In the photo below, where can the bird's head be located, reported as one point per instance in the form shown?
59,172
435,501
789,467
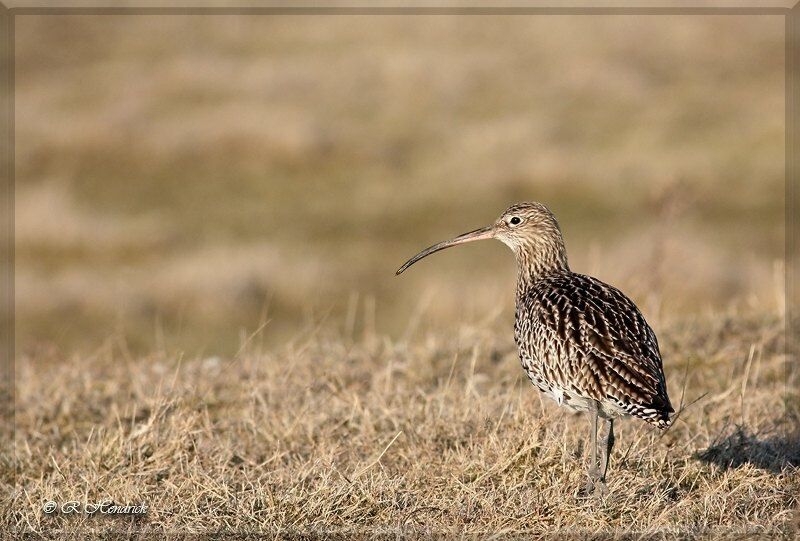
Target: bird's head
529,229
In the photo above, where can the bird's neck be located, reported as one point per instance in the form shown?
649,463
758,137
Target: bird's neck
538,260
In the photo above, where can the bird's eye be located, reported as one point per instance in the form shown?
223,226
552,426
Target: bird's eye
514,221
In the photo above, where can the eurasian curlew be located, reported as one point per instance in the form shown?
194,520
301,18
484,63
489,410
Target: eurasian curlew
581,341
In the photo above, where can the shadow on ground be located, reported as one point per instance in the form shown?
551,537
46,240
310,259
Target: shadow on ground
774,453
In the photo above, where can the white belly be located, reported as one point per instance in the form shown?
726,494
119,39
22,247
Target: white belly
567,398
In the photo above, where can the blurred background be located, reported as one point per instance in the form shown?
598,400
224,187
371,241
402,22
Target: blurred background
183,182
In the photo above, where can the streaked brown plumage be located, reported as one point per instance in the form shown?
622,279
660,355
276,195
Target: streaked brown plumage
581,341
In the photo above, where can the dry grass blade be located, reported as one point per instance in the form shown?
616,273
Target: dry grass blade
378,459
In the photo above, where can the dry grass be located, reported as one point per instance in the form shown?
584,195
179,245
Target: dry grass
437,433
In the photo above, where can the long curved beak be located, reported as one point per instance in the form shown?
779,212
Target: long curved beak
479,234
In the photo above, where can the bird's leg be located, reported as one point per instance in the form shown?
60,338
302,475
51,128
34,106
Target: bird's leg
594,472
605,452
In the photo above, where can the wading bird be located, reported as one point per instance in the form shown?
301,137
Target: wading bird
581,341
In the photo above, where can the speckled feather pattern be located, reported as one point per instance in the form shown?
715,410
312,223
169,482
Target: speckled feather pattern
580,339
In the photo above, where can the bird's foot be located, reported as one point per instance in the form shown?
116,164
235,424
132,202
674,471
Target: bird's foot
600,489
594,488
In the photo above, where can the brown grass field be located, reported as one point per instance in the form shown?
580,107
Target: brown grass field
439,433
209,212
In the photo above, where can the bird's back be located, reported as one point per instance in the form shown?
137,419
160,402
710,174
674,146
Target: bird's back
581,339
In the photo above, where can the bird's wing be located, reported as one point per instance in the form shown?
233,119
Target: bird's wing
612,352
